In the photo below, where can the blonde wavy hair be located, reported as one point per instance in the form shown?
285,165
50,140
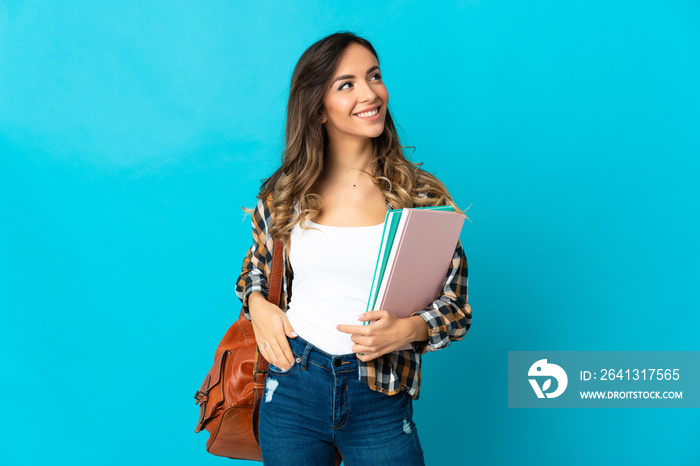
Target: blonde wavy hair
403,183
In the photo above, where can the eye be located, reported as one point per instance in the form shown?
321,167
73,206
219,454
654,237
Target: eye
379,76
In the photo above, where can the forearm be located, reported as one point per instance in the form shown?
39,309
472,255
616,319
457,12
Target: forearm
252,282
253,301
255,296
417,329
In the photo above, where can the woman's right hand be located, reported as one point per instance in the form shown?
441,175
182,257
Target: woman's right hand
271,328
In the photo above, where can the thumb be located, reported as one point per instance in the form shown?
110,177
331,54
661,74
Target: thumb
288,328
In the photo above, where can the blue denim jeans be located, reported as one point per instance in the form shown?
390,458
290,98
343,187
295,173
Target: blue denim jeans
319,403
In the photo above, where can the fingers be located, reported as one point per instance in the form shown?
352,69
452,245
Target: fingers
354,329
266,351
271,326
277,356
276,353
285,353
375,315
366,356
369,348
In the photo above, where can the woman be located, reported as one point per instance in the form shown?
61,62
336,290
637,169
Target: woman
334,382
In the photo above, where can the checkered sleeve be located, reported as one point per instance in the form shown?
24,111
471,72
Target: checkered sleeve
254,272
448,317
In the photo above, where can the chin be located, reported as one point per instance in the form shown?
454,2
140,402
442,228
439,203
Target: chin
373,134
367,133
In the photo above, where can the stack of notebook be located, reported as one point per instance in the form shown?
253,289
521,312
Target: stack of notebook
414,256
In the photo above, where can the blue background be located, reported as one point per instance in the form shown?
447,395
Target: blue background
131,133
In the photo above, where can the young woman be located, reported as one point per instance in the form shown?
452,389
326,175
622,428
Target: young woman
334,382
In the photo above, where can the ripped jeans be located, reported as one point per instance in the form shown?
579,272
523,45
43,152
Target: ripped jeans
319,403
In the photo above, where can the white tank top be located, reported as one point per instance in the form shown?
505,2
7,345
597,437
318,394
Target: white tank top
333,271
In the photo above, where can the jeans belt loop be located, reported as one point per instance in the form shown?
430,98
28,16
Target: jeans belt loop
305,357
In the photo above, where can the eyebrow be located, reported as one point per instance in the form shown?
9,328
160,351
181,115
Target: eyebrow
352,76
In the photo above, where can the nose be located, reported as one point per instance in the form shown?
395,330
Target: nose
369,94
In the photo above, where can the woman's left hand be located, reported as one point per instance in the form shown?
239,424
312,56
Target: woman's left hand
385,334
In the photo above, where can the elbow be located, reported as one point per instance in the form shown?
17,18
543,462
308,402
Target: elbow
460,325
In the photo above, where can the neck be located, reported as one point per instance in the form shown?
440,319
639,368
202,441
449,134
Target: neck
348,159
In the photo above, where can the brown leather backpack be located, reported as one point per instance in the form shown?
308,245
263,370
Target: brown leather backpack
229,398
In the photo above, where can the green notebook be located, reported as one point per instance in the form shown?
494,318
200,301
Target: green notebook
390,225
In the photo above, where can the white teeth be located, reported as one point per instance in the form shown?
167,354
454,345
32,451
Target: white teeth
369,114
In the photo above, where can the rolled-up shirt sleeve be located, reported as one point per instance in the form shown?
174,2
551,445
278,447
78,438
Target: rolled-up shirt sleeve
448,317
253,276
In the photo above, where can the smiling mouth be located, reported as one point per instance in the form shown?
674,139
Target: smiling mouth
370,113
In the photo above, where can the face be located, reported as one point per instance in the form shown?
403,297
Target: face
360,90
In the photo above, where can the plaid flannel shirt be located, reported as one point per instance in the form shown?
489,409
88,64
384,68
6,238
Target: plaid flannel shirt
447,317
